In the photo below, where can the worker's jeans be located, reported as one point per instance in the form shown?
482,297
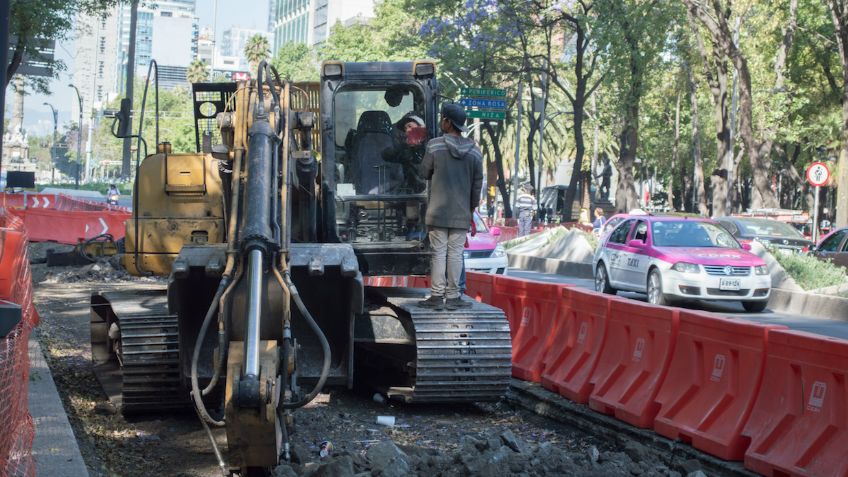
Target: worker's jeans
446,264
525,222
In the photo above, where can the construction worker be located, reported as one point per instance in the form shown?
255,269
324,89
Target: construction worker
525,203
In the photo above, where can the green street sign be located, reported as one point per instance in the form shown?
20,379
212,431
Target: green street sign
484,92
493,115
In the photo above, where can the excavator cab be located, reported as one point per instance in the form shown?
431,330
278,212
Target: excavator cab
372,194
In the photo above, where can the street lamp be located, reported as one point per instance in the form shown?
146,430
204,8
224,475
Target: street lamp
79,135
53,145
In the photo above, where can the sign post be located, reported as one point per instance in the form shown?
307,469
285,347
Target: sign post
484,104
817,175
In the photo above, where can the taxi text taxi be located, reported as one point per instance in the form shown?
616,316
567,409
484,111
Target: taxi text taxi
674,259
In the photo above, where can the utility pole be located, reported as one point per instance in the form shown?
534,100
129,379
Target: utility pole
53,145
4,61
127,152
79,138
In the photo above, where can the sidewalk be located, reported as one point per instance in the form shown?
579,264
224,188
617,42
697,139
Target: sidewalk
55,447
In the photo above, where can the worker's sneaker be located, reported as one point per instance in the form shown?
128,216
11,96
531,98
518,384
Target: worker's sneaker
457,303
434,301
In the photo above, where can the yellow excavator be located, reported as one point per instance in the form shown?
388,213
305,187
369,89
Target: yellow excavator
265,243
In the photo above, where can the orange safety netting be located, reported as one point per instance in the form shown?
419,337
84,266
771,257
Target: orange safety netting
16,423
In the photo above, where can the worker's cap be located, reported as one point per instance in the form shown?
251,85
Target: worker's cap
455,114
411,118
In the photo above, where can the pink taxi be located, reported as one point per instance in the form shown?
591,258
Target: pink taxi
677,259
484,253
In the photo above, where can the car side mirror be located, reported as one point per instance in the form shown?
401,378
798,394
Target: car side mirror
746,246
495,231
636,243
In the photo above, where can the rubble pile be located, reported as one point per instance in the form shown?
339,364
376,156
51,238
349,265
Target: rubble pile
492,455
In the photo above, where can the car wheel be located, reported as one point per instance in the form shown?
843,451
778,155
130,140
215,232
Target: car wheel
655,293
754,306
602,283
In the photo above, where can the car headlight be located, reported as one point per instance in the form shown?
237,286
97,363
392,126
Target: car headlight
465,254
686,267
498,252
761,270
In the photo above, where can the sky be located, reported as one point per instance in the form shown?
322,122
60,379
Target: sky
38,119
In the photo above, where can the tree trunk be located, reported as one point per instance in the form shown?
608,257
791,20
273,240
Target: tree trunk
839,14
675,152
495,137
578,105
626,197
697,159
715,71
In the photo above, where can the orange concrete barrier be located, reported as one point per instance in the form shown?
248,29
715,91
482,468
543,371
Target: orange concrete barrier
633,361
69,226
530,308
577,338
799,424
714,377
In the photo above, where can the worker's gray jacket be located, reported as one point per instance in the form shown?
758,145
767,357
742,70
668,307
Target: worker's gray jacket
454,166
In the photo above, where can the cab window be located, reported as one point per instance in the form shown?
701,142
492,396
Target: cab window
832,242
640,232
619,235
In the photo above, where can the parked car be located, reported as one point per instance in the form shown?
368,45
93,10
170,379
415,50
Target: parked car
780,235
680,259
484,253
833,247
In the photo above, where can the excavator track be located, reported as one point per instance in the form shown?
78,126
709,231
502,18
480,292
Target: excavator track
135,345
460,355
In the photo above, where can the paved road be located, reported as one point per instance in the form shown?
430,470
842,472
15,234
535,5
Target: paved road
838,329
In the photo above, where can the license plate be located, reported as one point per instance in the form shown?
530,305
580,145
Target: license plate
786,251
728,284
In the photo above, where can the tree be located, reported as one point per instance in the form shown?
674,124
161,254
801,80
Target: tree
198,71
584,61
256,49
31,21
839,13
296,62
714,21
632,34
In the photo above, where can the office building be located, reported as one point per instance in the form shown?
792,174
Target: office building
95,64
231,54
310,21
166,31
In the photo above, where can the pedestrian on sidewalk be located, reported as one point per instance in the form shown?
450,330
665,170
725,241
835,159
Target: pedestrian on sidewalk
454,166
599,222
525,203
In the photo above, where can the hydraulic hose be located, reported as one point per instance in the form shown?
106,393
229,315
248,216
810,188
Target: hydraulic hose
204,328
325,345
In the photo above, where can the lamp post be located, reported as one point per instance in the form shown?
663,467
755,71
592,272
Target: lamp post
79,138
53,145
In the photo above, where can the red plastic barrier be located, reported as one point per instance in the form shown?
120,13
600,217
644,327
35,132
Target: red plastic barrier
577,339
531,308
799,424
69,227
715,375
480,286
634,361
16,287
8,201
